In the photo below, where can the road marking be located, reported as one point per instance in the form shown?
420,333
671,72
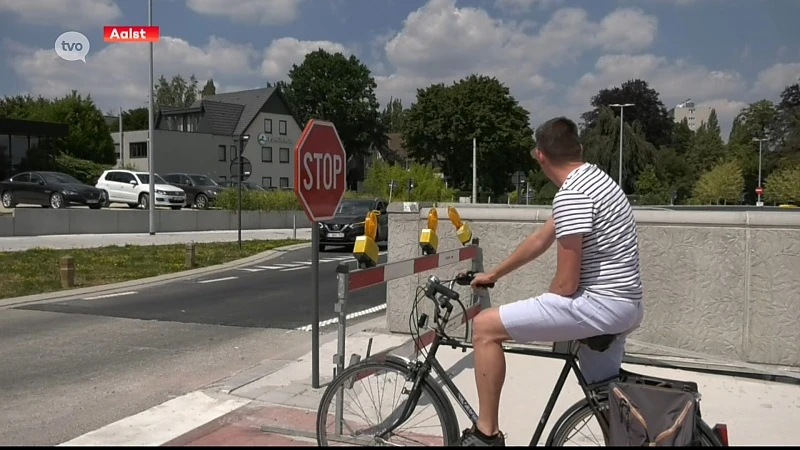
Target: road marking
286,265
116,294
162,423
354,315
308,263
251,270
269,267
294,268
218,279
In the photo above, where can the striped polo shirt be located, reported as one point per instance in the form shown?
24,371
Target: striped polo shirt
590,202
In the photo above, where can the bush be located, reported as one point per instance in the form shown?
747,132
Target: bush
258,200
429,186
85,171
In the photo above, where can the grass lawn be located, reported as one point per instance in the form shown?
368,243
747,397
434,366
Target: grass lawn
36,271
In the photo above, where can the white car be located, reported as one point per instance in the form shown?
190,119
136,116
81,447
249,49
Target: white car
133,188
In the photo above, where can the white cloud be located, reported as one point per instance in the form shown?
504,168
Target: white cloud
777,77
282,53
441,42
263,12
72,13
117,74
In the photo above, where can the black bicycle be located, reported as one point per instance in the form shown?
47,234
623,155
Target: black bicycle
418,385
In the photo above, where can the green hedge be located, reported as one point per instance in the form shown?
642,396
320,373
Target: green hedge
258,200
85,171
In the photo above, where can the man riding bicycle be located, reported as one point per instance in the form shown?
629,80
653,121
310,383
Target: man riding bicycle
597,289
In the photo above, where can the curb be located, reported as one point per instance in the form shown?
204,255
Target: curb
151,281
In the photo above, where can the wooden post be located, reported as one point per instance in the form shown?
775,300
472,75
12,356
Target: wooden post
66,266
190,256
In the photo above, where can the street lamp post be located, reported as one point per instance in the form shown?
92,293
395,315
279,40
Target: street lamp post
760,142
621,107
151,199
242,142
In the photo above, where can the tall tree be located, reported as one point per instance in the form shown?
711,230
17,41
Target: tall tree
707,148
89,137
787,123
393,115
134,119
783,186
722,184
650,190
333,87
209,88
676,173
682,137
648,110
176,92
754,121
601,147
440,126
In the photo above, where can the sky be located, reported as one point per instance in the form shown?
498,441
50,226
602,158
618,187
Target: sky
553,54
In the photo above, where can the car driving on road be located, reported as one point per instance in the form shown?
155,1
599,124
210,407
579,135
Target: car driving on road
348,223
201,191
133,188
49,189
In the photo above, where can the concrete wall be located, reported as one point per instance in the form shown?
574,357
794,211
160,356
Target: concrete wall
718,283
36,222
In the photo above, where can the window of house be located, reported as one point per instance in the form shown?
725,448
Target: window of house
268,126
138,149
266,182
266,154
282,127
222,153
233,152
116,150
284,155
223,178
284,182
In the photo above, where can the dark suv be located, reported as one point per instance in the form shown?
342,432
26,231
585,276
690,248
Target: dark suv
348,223
201,191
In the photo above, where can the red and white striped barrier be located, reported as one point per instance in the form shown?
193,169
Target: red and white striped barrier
364,278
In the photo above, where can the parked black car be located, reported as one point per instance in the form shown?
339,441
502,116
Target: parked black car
246,185
49,189
201,191
349,223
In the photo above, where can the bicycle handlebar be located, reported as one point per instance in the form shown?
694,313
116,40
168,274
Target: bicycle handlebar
435,286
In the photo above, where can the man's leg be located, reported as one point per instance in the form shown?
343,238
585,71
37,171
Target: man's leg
490,367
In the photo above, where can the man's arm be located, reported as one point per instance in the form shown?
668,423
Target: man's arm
531,248
573,215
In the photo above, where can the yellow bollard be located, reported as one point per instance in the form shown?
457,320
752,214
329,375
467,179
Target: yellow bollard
428,239
366,250
462,229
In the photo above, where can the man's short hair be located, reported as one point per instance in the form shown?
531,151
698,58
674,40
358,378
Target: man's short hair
558,139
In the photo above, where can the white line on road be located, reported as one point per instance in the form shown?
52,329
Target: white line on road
218,279
116,294
246,269
293,268
287,265
269,267
160,424
325,323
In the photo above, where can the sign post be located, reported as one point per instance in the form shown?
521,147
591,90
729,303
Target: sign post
319,184
241,169
759,191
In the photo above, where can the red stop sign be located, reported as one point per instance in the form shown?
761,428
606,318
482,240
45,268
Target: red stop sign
319,170
759,190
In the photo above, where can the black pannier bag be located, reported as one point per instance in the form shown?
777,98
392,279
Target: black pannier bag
641,414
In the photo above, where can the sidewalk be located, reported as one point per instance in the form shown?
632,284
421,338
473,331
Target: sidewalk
14,244
756,412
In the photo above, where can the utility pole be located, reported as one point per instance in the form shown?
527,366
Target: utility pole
151,200
474,170
621,107
758,188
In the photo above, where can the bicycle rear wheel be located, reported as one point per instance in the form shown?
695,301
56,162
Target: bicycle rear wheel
580,424
362,414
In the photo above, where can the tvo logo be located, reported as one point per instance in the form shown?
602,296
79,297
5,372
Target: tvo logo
72,46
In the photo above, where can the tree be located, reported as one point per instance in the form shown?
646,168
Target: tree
786,128
88,137
209,88
133,119
754,121
601,147
393,115
176,92
648,110
682,137
332,87
724,183
428,185
440,126
707,149
675,172
783,186
650,190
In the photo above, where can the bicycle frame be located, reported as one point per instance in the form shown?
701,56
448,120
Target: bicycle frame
424,367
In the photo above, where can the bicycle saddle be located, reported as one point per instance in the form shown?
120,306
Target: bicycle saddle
599,343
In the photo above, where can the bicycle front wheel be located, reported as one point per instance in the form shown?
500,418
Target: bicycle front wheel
354,410
580,427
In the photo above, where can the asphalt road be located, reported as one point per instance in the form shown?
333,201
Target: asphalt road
73,366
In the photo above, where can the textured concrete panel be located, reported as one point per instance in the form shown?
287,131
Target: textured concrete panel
774,310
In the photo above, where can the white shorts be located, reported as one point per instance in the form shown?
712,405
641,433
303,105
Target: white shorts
553,318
